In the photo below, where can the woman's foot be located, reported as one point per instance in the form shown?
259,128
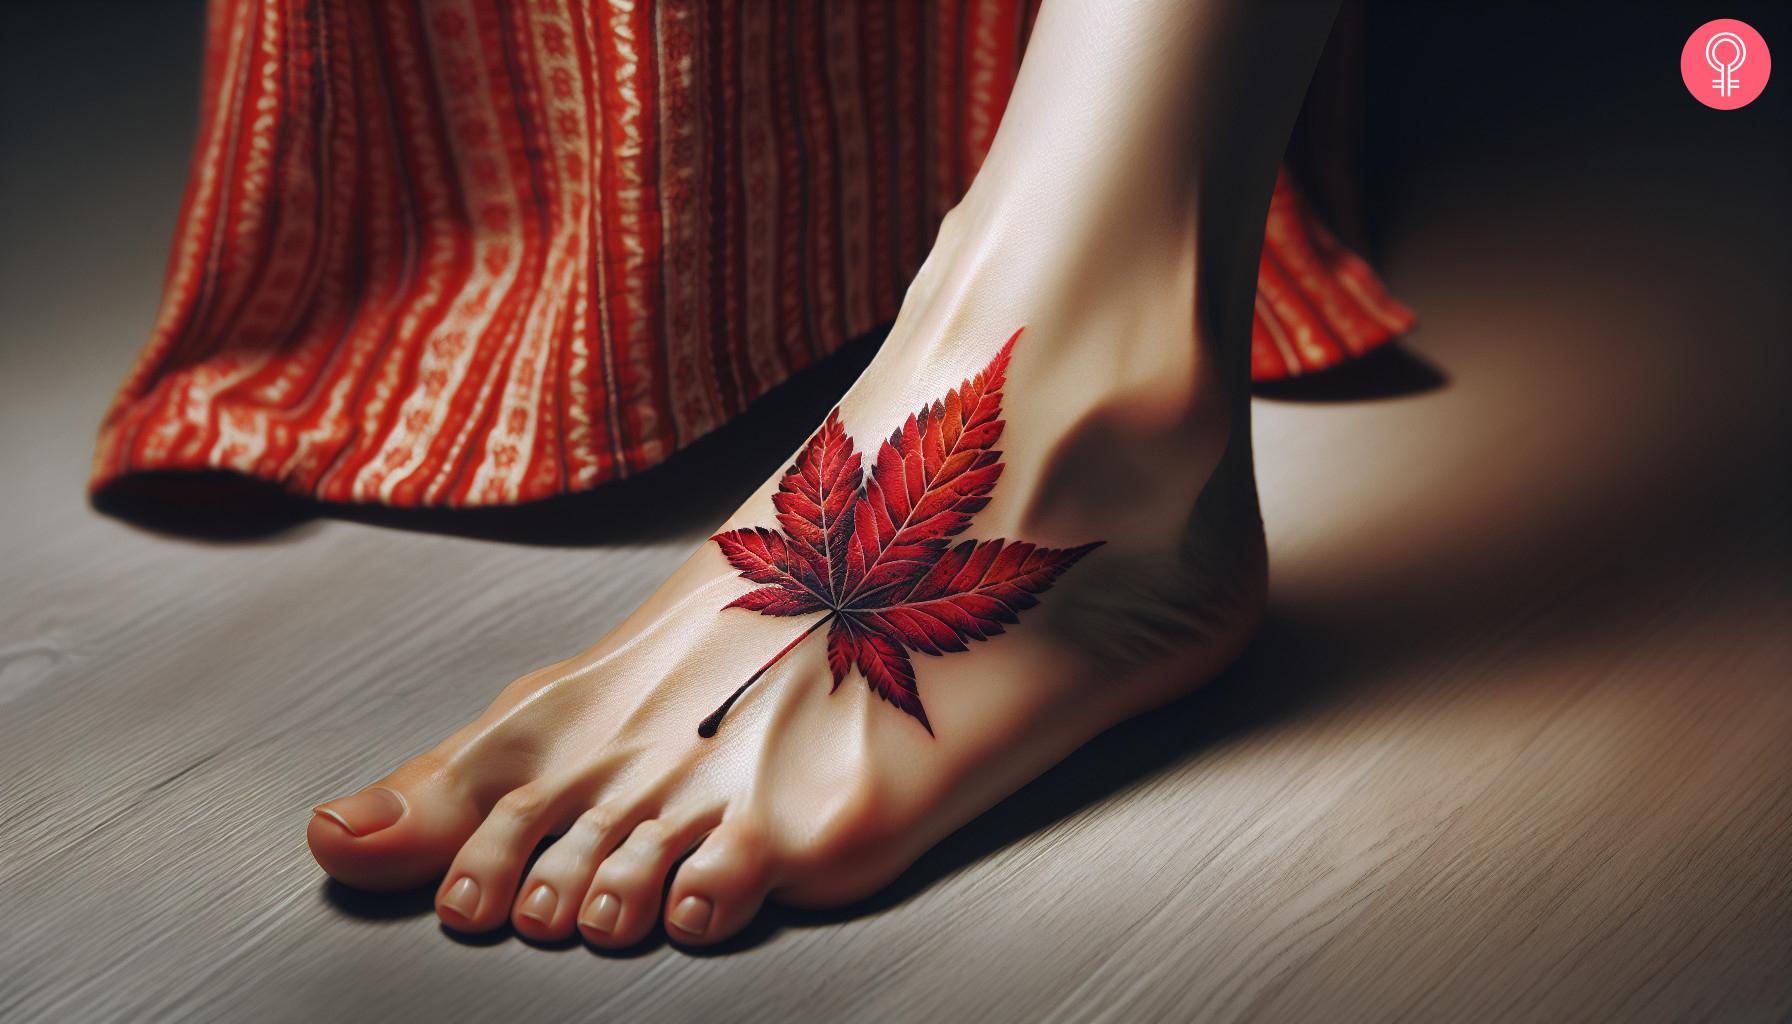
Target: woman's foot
1116,430
1101,226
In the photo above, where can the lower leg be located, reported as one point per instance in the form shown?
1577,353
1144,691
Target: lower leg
1117,218
1142,122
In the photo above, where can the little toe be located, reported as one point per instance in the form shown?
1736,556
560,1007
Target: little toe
397,834
477,892
624,899
720,887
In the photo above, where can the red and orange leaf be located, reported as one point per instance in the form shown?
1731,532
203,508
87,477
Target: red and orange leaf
815,505
930,477
841,651
872,550
775,601
972,592
764,556
886,667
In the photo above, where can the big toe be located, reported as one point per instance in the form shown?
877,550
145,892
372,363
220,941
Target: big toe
399,833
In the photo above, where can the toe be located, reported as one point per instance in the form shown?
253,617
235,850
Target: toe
720,887
624,899
549,899
397,834
477,892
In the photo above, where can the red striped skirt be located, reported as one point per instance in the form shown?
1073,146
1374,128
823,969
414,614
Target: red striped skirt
468,252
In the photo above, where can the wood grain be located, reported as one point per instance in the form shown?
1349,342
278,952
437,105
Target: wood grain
1515,744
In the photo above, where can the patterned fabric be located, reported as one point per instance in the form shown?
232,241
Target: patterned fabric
468,252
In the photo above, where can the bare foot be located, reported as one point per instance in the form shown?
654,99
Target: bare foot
849,755
892,680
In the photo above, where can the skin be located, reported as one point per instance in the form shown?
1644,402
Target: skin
1118,218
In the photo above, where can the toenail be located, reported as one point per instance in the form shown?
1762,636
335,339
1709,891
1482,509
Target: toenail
691,915
539,907
366,812
601,915
463,898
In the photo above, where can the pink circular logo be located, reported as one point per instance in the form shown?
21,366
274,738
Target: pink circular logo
1725,64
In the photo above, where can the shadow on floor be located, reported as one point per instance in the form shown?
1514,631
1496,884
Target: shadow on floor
1391,371
378,906
693,489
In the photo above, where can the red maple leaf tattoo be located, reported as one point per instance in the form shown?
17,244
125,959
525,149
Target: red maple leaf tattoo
872,552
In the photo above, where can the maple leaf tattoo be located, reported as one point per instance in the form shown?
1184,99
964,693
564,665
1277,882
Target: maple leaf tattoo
872,552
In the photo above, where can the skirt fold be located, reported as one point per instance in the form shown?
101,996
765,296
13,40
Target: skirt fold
474,252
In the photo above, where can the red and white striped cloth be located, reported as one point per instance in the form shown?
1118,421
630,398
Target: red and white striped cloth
471,252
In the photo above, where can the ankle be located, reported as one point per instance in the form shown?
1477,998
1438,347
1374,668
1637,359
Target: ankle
1118,350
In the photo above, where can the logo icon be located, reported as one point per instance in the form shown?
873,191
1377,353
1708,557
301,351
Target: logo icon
1725,83
1725,64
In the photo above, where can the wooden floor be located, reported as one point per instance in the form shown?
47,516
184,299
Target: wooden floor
1515,744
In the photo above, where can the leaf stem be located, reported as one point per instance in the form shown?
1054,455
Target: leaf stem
714,721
